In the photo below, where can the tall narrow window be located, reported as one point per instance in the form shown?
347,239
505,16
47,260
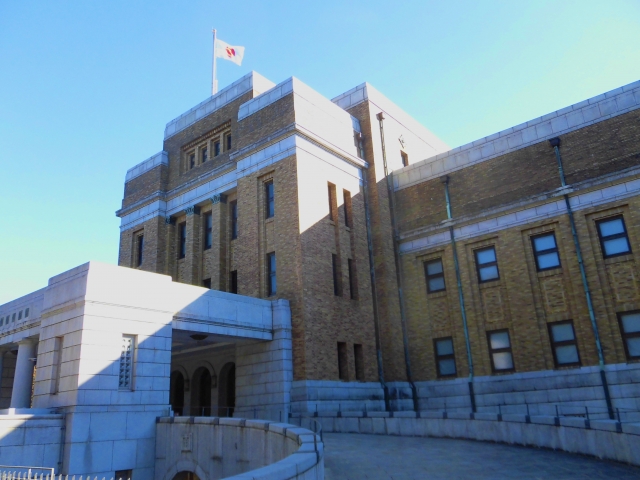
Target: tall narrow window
182,247
216,148
405,159
234,219
630,329
125,475
228,141
271,274
353,284
140,249
334,265
204,154
331,190
192,160
445,358
26,313
206,283
563,344
233,288
347,207
270,203
125,373
208,230
487,264
545,250
359,358
343,371
500,350
435,276
357,141
56,364
613,237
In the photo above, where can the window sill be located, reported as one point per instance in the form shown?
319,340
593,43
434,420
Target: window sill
626,257
269,220
552,272
504,372
490,284
573,366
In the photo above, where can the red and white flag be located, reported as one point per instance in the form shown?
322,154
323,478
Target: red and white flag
229,52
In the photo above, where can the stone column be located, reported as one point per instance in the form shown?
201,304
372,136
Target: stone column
193,258
219,270
23,379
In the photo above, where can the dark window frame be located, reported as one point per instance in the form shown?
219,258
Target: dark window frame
272,282
428,277
233,281
234,219
270,199
625,335
182,239
353,283
334,266
501,350
208,230
603,240
191,160
206,283
445,357
405,158
217,148
480,266
537,253
347,205
227,141
562,343
203,155
139,249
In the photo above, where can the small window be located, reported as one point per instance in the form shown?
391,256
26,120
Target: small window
334,266
125,373
445,358
353,283
343,372
26,313
228,141
405,159
359,358
234,220
192,160
20,315
271,274
545,250
123,475
216,149
203,154
357,141
563,344
613,237
269,199
182,232
206,283
500,351
347,207
435,276
487,265
630,329
140,250
233,288
208,230
333,203
13,317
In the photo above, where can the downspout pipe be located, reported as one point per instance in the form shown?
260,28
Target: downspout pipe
555,144
396,256
463,311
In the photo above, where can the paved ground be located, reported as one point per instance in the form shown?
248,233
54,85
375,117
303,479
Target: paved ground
356,456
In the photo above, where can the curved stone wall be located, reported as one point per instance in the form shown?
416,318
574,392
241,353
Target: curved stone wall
213,447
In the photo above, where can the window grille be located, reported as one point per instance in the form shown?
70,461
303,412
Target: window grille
125,376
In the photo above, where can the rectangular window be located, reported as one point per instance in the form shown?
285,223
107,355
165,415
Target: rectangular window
26,313
359,358
487,264
208,230
445,358
613,237
563,344
125,372
13,317
435,276
334,265
206,283
347,207
123,474
545,250
353,284
234,282
203,154
343,372
228,141
140,250
20,315
216,149
270,203
271,274
500,351
56,364
333,202
234,219
405,159
1,321
182,233
630,329
357,141
192,160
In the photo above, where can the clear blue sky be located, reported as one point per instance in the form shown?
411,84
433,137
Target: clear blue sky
86,88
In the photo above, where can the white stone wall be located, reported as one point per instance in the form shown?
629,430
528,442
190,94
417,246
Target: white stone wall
308,396
31,440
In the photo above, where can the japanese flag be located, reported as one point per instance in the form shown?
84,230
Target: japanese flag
228,52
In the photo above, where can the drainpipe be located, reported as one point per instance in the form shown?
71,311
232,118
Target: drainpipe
372,274
555,144
396,256
463,311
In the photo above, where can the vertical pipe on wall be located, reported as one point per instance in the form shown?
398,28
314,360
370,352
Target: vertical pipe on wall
396,257
463,311
555,144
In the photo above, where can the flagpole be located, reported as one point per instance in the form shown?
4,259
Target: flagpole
214,81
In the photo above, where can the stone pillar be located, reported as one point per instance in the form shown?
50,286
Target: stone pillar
193,257
219,269
23,379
